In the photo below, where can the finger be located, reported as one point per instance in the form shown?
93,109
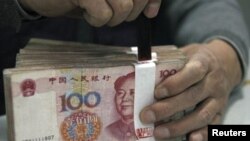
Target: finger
199,135
138,7
121,10
98,12
190,49
152,8
168,107
198,119
202,134
193,72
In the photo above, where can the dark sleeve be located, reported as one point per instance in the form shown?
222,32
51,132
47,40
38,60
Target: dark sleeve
197,21
9,15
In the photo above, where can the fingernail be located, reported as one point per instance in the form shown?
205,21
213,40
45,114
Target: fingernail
152,9
148,116
161,93
197,137
162,132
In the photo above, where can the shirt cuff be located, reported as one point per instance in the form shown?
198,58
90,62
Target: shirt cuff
26,15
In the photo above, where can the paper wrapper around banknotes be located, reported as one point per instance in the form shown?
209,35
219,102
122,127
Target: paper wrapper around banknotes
66,91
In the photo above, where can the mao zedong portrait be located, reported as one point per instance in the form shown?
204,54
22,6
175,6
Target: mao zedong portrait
123,128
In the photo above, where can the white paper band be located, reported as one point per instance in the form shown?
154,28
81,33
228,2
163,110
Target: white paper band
144,96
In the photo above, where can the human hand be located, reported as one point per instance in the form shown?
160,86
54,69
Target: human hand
96,12
205,82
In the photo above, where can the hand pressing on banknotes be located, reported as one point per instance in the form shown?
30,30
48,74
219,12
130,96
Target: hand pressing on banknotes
96,12
205,83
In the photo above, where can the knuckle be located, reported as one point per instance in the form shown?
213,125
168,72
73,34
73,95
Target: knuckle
125,6
193,95
205,116
162,111
174,130
200,67
105,15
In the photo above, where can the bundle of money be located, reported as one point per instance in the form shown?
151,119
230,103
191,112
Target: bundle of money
67,91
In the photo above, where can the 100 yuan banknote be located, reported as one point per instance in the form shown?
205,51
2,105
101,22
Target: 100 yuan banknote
80,104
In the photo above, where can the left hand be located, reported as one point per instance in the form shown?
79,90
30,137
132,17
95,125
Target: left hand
205,82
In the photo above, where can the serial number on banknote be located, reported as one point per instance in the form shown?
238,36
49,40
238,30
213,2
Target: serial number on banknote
45,138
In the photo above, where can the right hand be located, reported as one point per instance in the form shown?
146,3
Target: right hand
96,12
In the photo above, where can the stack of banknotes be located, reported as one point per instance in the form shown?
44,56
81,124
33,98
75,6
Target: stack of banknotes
67,91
